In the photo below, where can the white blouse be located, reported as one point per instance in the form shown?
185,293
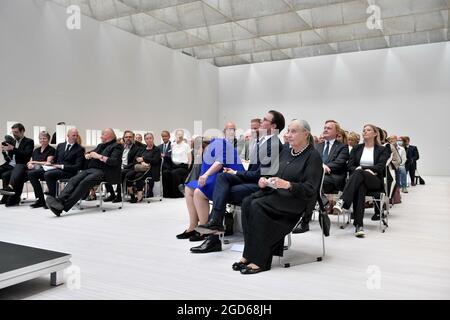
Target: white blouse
367,157
180,152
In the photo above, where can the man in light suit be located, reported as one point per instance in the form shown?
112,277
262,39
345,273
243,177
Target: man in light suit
233,186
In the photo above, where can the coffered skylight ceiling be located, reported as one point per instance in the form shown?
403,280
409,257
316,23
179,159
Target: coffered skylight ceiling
231,32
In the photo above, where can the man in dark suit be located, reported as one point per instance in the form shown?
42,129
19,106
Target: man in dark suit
232,186
104,163
13,172
166,150
130,152
69,159
335,156
412,155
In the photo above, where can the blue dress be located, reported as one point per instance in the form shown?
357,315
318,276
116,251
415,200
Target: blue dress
221,151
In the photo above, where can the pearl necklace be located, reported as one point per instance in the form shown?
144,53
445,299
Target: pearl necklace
296,154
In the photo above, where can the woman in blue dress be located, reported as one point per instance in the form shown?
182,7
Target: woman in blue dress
220,153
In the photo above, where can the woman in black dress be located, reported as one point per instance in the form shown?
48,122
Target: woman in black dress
271,213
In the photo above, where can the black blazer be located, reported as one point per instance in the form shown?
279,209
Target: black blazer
152,157
73,160
380,157
265,165
112,166
168,156
23,152
412,155
134,151
337,161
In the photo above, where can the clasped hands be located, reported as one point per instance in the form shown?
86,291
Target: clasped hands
368,170
277,182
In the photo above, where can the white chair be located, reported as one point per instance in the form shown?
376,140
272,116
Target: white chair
321,211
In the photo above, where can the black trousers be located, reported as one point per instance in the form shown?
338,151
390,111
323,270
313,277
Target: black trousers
412,174
265,227
5,173
35,176
172,178
355,191
229,188
52,176
16,178
135,178
79,185
329,185
110,189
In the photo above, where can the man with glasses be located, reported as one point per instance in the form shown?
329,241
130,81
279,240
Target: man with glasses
233,186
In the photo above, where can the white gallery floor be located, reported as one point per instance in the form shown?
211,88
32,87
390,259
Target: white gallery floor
133,254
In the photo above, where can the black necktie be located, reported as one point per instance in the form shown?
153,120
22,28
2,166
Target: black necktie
325,152
68,147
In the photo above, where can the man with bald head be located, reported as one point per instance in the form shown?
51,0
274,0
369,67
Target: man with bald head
69,159
103,164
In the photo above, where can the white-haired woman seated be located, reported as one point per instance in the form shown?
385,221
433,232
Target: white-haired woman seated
271,213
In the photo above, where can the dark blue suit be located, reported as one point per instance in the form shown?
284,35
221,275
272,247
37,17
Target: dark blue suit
233,189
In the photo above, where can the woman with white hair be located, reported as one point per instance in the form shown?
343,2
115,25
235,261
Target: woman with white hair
271,213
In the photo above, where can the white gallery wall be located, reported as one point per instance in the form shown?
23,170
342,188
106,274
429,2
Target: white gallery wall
404,90
95,77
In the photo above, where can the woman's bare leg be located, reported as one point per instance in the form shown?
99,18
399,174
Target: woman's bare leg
193,216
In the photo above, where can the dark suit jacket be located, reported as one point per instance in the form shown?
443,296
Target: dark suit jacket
380,157
112,166
23,152
265,164
412,155
152,157
337,161
73,160
168,156
134,151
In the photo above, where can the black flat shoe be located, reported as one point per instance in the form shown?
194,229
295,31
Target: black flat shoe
38,204
375,217
117,200
186,235
238,266
198,237
248,270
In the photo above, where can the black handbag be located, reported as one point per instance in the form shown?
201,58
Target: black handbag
325,223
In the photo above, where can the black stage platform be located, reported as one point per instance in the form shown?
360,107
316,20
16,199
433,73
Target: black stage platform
20,263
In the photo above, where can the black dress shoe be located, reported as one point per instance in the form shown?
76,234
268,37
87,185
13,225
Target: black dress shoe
11,204
211,227
210,245
109,199
54,205
38,204
198,237
375,217
117,200
302,228
186,235
248,270
238,266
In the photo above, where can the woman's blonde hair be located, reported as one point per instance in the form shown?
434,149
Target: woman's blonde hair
375,129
